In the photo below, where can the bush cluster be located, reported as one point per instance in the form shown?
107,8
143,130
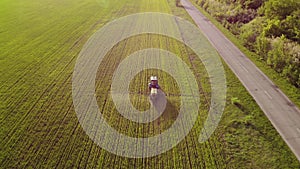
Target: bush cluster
270,28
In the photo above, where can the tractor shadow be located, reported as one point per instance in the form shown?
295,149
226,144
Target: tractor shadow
171,112
169,115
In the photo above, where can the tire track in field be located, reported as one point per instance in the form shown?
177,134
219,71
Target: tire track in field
207,103
33,68
18,48
106,97
27,94
24,97
73,140
90,141
187,152
185,159
212,145
50,86
57,63
76,136
54,80
34,128
99,84
91,146
103,107
120,123
52,121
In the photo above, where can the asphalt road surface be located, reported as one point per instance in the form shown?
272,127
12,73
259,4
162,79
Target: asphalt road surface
283,114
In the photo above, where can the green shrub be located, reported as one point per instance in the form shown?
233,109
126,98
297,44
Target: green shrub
277,56
270,28
250,31
262,47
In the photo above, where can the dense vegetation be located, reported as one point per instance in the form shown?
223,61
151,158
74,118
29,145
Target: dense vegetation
270,28
39,44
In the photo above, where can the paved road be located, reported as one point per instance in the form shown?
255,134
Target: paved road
283,114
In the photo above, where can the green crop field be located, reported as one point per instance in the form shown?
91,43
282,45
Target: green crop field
39,44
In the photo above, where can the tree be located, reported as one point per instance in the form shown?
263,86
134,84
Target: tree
282,19
276,56
280,9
